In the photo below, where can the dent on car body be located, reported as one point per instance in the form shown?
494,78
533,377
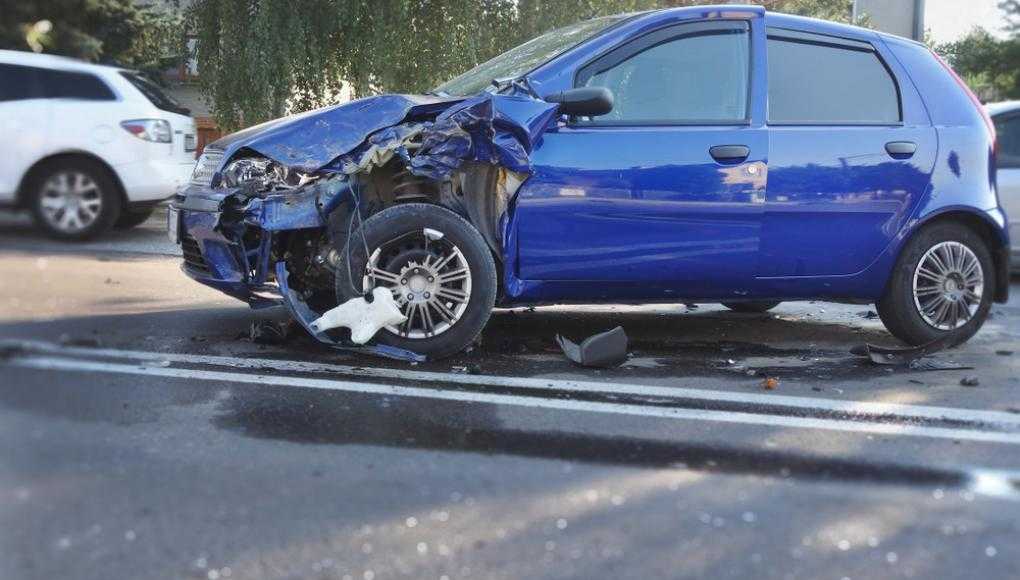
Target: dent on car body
473,152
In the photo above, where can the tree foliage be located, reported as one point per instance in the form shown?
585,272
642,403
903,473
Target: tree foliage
114,31
259,59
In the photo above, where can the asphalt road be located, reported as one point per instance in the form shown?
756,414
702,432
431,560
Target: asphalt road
145,436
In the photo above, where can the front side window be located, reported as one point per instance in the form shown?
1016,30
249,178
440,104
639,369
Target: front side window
1008,131
695,73
827,84
62,84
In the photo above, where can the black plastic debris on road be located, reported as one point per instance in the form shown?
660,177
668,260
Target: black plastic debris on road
606,349
916,357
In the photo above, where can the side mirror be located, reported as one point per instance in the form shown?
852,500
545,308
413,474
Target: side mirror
583,101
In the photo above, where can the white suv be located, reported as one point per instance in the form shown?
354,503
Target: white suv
1006,117
88,147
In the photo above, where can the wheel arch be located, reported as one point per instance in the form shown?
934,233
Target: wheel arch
22,197
984,226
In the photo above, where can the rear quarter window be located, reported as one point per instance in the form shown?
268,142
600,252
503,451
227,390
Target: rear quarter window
820,82
947,103
61,84
1008,130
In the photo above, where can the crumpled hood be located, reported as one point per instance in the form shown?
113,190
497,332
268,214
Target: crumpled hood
310,140
491,128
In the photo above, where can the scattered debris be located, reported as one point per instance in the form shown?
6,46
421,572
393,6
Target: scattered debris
868,314
1004,352
269,332
364,318
892,356
471,369
970,381
606,349
770,383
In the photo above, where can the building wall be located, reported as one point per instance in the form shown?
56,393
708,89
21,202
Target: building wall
901,17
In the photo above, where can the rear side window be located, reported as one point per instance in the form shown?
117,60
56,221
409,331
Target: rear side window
1008,131
693,73
62,84
154,93
821,83
17,83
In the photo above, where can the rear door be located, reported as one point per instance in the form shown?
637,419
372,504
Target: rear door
851,154
1007,127
25,120
664,194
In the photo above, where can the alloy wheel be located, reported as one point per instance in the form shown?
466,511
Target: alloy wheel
430,279
948,285
70,201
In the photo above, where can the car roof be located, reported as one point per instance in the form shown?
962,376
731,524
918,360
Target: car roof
1002,107
783,20
54,61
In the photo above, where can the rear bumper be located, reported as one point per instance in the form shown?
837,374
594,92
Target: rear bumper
153,179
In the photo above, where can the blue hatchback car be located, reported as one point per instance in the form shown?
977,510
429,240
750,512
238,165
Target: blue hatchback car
704,154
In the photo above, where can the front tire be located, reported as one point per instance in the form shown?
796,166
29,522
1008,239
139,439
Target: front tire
941,287
73,199
439,268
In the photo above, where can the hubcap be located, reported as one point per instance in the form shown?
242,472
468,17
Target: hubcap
948,285
430,280
70,201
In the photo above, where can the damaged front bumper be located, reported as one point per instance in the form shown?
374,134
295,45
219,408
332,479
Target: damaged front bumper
226,234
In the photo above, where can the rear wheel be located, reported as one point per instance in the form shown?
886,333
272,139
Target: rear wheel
74,199
438,267
758,306
941,287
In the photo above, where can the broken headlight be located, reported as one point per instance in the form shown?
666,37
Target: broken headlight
259,173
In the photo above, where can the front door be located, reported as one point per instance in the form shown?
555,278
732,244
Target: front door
663,195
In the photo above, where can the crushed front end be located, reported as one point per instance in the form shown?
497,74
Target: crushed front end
269,215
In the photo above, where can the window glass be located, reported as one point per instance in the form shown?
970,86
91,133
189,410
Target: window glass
818,83
699,74
155,94
1008,131
62,84
17,82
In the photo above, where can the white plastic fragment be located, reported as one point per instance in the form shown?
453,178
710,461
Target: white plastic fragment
364,318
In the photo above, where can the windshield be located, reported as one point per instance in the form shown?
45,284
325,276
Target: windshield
155,94
517,61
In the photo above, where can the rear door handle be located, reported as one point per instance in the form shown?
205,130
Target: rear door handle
730,153
901,149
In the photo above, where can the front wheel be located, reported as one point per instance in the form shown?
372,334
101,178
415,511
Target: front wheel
941,287
440,270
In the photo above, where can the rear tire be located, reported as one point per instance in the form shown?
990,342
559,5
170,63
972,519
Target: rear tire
942,286
756,307
73,199
406,259
129,219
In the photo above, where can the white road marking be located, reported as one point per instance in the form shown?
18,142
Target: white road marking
902,412
892,429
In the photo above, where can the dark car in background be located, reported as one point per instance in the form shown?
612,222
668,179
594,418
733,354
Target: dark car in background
703,154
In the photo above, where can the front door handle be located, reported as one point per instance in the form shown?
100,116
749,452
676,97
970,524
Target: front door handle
901,149
730,153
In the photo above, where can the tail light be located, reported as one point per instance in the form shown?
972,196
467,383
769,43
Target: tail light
155,130
973,98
